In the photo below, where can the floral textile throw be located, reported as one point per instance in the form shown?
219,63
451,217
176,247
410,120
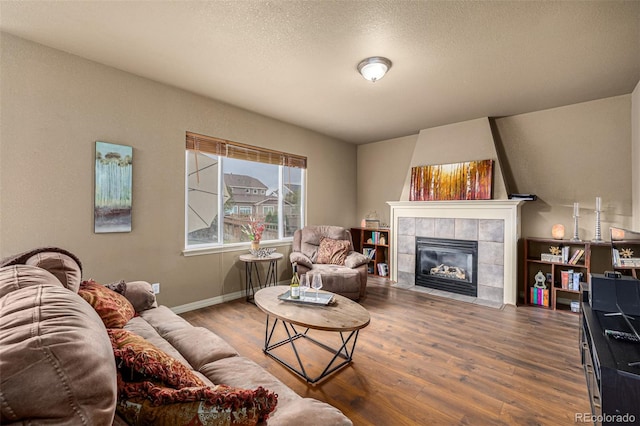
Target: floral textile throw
154,385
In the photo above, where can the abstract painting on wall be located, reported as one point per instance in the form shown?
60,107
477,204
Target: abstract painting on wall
471,180
113,181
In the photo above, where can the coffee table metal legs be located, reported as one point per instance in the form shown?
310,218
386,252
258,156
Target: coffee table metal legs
341,356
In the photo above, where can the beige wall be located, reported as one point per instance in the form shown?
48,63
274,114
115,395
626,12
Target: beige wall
382,169
635,155
460,142
54,106
572,154
567,154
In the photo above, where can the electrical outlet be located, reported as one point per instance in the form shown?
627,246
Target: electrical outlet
156,288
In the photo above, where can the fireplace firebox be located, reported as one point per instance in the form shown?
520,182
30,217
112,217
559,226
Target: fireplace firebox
449,265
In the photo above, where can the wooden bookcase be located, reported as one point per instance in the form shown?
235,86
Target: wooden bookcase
596,259
376,241
634,268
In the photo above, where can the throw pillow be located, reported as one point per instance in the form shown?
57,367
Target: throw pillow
114,309
332,252
229,408
168,392
143,359
139,293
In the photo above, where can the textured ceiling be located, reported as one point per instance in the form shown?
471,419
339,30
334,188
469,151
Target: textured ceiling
296,60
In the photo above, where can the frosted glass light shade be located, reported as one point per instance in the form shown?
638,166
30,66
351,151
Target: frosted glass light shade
374,68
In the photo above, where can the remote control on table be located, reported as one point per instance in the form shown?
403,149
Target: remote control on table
621,335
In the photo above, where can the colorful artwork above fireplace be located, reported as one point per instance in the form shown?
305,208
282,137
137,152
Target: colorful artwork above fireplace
471,180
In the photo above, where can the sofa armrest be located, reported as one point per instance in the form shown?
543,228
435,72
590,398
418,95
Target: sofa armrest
355,259
300,259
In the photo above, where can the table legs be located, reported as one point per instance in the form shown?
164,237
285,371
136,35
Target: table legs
252,277
341,356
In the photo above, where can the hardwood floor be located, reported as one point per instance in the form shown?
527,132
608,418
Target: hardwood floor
429,360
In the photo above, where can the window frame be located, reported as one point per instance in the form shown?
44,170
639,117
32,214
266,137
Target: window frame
285,160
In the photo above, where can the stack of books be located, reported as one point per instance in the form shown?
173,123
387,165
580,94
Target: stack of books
383,269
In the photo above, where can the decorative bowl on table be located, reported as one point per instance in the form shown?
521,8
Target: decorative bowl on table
262,252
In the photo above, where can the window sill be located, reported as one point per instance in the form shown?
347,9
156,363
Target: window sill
243,247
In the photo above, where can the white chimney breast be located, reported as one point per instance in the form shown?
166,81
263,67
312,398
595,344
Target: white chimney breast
457,143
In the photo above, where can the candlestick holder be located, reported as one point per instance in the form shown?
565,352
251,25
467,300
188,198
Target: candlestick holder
575,228
598,236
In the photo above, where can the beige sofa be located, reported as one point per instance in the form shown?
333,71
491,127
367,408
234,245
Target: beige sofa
57,362
343,270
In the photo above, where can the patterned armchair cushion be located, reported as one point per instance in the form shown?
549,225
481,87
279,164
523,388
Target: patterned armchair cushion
332,252
311,236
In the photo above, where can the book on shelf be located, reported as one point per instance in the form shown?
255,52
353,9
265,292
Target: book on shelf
539,296
383,269
627,262
369,252
575,258
570,280
575,284
566,279
630,262
565,254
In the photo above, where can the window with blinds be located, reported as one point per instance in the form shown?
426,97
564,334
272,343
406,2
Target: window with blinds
240,183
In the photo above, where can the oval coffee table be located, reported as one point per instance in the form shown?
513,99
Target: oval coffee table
343,316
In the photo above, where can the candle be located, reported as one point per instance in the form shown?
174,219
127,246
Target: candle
598,203
576,207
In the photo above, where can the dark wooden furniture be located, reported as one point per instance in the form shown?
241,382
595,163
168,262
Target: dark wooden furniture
596,258
376,240
613,377
633,269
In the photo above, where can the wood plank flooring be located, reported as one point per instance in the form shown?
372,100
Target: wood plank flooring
426,360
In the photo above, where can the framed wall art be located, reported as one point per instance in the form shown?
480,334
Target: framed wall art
471,180
113,184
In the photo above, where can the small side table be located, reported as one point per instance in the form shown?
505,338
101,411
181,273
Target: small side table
252,272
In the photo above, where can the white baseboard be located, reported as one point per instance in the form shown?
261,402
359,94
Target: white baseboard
213,301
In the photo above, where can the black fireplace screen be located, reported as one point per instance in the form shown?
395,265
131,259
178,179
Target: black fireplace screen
445,264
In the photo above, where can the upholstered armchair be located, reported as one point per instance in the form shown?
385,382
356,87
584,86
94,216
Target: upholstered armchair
328,250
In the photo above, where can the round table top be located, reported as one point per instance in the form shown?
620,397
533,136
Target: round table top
251,258
342,315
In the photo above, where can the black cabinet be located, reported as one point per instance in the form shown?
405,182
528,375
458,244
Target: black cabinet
613,380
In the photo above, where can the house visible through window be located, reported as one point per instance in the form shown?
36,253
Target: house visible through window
236,182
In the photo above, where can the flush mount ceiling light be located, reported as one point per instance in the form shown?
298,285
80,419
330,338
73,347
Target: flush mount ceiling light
374,68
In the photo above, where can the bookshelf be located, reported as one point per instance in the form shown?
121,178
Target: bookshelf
563,272
374,243
626,257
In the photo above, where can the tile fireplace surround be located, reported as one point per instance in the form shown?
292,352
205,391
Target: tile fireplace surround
494,224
